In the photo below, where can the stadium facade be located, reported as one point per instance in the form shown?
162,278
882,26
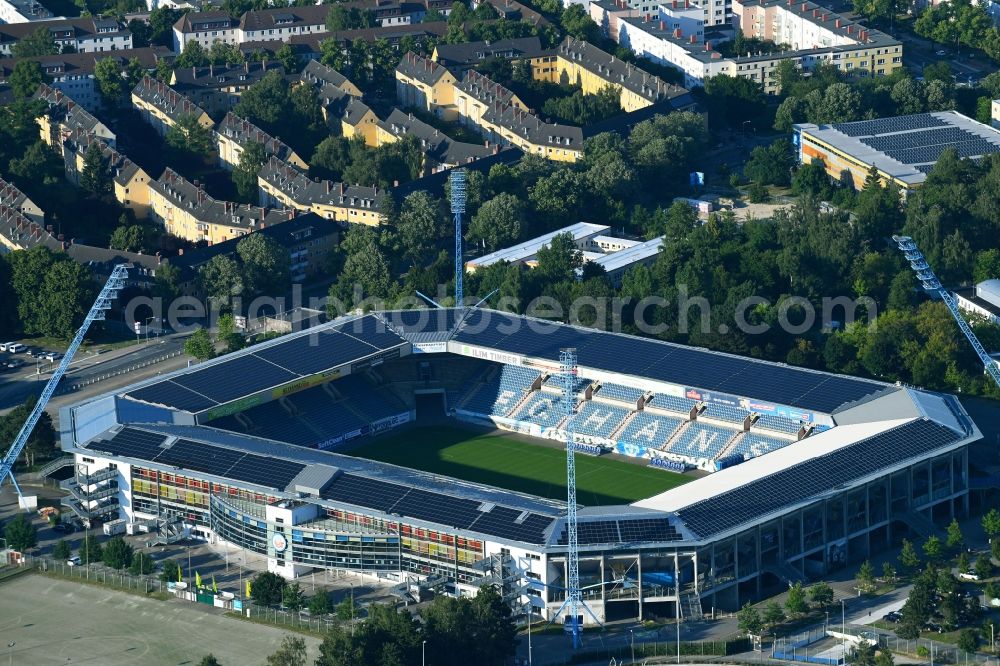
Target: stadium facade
799,472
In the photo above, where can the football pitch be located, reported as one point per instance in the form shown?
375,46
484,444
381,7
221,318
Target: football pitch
505,460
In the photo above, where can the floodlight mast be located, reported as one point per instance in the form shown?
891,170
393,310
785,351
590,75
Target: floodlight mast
568,370
115,283
457,182
932,285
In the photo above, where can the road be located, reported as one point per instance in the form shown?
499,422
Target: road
15,387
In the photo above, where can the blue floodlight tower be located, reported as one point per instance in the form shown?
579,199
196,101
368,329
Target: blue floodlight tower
457,180
568,371
110,291
933,286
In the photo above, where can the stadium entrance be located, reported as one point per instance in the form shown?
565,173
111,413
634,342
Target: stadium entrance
430,406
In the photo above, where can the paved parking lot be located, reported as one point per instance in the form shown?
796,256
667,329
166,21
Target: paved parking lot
56,621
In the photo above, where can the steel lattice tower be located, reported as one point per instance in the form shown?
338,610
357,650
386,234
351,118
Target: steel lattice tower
457,181
567,370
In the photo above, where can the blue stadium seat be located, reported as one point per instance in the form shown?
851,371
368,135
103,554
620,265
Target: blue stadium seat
727,413
544,409
598,419
649,430
754,444
702,440
327,417
669,402
555,381
778,424
619,392
499,395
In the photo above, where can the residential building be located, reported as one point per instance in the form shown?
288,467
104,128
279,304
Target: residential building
187,211
322,77
283,185
129,182
16,200
65,118
281,24
995,113
86,34
162,107
459,57
73,73
440,151
904,149
308,238
512,10
217,88
234,133
424,84
348,116
578,63
15,12
811,35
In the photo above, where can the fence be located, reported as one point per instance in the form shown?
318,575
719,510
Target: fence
651,649
145,584
289,619
938,653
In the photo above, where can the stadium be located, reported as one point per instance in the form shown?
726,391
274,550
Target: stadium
425,447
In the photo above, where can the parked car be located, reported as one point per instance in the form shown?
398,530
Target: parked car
51,357
968,575
74,561
941,52
893,616
15,347
933,626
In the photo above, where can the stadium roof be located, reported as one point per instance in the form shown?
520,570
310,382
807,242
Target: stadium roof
384,488
680,365
801,473
267,366
907,147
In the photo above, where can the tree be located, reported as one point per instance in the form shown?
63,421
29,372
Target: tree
319,603
20,533
245,173
796,601
38,42
991,519
822,594
62,550
386,637
933,548
193,55
221,278
26,78
42,442
170,571
110,81
866,577
128,238
90,550
117,553
54,292
95,177
292,597
288,59
884,658
345,609
420,225
773,615
770,165
267,266
888,572
141,564
984,567
908,556
750,621
862,654
189,137
498,221
955,539
291,653
266,588
209,660
968,640
199,345
812,179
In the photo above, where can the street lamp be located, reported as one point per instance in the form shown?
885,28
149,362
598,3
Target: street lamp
423,653
632,635
10,652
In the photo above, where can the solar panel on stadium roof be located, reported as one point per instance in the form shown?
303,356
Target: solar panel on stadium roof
814,477
316,352
171,394
199,457
271,472
235,378
362,491
132,443
433,507
423,320
647,529
372,331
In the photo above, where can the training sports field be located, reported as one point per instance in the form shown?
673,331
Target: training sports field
516,463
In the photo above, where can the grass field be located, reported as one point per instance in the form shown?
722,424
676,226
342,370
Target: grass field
515,463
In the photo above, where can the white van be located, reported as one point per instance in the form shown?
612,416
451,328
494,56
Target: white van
15,347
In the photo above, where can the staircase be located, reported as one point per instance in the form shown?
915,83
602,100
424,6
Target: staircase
691,605
56,465
919,524
785,572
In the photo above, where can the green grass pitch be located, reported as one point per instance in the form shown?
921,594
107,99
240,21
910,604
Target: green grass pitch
509,461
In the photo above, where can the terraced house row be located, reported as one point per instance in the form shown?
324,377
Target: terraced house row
477,101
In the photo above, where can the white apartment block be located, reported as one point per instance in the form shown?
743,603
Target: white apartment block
84,35
23,11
